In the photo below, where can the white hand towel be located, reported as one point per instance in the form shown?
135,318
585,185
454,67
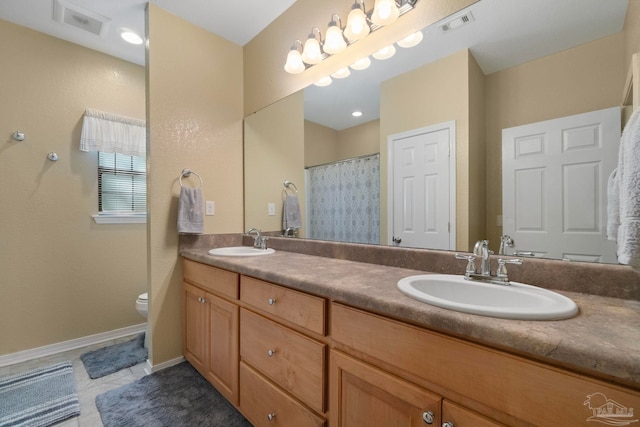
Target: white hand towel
613,206
629,187
190,211
291,217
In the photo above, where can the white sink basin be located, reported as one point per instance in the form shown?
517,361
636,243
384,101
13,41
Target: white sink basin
240,251
516,301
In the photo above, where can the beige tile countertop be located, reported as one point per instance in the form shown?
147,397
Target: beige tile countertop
602,340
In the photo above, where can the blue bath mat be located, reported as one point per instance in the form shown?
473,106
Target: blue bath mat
39,398
110,359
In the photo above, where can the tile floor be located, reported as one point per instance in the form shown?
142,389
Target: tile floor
87,388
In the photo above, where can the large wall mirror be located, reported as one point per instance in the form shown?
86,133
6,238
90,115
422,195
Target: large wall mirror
496,65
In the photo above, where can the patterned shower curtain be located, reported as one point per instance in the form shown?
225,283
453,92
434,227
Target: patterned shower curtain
344,200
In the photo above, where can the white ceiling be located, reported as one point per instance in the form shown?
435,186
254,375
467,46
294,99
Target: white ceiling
505,33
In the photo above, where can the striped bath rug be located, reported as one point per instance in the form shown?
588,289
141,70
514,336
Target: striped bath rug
39,398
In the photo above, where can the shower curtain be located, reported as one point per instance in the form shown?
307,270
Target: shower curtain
344,200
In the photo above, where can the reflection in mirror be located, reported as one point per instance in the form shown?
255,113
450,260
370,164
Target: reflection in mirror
497,71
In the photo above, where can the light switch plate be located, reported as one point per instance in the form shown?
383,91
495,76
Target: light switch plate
210,207
271,208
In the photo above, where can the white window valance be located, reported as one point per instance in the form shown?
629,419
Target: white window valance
112,133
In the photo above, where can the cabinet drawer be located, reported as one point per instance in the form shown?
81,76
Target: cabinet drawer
212,279
537,393
266,405
304,310
294,362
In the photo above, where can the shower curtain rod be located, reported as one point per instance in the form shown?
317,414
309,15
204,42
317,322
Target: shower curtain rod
364,157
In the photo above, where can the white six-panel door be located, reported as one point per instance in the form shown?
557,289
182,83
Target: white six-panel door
422,190
554,184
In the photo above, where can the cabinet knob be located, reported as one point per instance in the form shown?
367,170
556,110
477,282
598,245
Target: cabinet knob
271,353
427,417
271,301
271,416
447,424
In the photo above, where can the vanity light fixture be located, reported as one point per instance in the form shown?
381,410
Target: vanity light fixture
359,24
312,52
294,63
411,40
334,40
385,53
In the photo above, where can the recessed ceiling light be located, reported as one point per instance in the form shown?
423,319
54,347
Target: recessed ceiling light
357,114
131,37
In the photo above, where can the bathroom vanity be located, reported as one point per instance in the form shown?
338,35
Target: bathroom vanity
299,340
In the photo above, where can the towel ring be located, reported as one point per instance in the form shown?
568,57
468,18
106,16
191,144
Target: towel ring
187,173
287,184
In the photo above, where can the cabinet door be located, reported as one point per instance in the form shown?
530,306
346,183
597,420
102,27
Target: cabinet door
195,327
459,416
362,395
223,330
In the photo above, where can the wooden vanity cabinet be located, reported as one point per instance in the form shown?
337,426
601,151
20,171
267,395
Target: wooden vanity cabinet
211,325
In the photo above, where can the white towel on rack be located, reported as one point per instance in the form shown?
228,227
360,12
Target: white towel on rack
628,179
190,211
291,217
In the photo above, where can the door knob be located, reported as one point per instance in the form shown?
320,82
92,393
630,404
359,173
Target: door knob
397,240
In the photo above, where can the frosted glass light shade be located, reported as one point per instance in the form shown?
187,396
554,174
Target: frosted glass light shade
341,73
361,64
294,64
311,54
325,81
385,52
357,27
411,40
334,41
385,12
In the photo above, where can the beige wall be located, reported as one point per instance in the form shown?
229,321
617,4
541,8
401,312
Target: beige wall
359,140
194,110
265,81
63,276
320,144
325,145
631,32
274,152
586,78
433,94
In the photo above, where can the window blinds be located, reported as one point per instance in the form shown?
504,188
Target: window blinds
121,183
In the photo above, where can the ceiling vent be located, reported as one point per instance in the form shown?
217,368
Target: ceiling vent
457,22
79,17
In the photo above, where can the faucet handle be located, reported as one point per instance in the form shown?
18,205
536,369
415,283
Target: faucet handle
502,266
471,265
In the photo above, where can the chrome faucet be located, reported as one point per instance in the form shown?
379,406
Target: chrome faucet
505,242
289,232
481,249
259,241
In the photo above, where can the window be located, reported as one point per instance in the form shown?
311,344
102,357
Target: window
122,185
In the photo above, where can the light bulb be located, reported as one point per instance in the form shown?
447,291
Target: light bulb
385,12
361,64
411,40
385,53
334,41
357,27
294,63
131,37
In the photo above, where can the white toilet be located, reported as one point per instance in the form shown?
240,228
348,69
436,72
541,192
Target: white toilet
142,304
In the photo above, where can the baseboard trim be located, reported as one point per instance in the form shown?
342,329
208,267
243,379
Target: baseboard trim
150,369
48,350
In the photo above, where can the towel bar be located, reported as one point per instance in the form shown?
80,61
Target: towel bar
187,173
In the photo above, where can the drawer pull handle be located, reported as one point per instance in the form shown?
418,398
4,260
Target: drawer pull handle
271,353
271,416
271,301
427,417
447,424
